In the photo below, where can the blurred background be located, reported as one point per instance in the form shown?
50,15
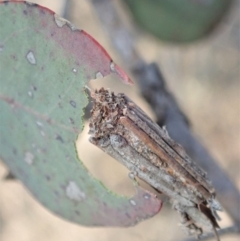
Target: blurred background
203,75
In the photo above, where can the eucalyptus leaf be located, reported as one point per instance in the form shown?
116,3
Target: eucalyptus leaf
178,21
45,62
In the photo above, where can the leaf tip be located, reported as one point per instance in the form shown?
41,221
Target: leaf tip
119,71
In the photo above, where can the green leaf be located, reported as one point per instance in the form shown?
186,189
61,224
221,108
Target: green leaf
178,21
45,62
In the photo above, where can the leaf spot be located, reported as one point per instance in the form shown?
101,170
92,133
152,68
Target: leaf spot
1,48
59,138
71,120
77,212
146,196
39,123
132,202
73,104
14,151
112,67
28,158
73,192
99,75
31,58
30,94
42,133
48,177
34,87
74,70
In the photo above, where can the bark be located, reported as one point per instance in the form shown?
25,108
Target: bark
121,129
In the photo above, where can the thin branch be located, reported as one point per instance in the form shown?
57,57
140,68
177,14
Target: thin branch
67,9
165,107
118,34
221,232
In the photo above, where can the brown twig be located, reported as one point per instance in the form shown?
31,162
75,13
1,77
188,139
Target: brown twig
121,129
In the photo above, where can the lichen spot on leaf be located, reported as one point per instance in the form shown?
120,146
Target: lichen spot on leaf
73,192
31,58
28,158
133,202
99,75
